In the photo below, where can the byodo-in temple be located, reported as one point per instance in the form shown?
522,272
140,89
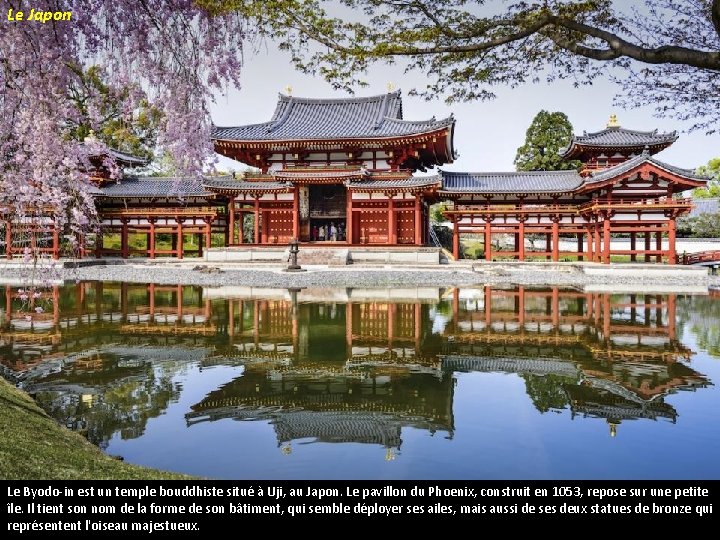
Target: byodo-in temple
350,365
350,173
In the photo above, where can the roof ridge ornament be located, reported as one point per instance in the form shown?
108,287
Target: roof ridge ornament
646,151
613,122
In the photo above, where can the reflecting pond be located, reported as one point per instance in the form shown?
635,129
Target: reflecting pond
236,382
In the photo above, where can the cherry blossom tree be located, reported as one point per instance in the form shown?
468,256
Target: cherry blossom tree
171,54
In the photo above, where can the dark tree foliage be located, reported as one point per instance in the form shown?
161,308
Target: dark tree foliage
547,135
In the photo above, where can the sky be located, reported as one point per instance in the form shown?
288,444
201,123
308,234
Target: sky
487,134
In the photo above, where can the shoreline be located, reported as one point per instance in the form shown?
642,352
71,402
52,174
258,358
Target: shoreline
201,273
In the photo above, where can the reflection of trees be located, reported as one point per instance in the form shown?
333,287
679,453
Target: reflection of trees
109,401
701,316
547,392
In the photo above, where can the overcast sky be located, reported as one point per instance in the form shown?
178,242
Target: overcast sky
487,134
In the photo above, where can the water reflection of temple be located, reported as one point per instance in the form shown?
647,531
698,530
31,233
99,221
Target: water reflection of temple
341,365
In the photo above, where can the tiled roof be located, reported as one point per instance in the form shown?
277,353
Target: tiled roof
618,137
511,182
612,172
231,184
154,187
289,174
396,183
127,159
348,118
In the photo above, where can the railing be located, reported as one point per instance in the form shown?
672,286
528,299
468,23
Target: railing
615,204
701,257
434,240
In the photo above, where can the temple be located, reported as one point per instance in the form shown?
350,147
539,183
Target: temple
349,173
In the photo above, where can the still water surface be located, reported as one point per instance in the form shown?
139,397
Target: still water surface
233,382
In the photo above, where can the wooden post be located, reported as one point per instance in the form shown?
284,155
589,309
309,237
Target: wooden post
658,246
56,242
231,318
580,246
418,222
555,307
124,240
179,245
201,241
349,218
555,241
590,247
456,238
179,309
598,246
606,240
151,246
633,255
548,245
647,246
296,213
392,221
231,222
208,233
256,236
488,307
488,241
521,241
151,302
521,307
672,255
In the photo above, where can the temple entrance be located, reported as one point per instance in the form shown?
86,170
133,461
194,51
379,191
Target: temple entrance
327,214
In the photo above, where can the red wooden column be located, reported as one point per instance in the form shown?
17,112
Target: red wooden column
555,241
349,218
658,246
633,255
598,246
179,308
256,234
590,247
672,254
419,225
488,240
456,237
231,222
151,301
647,246
555,307
606,240
521,307
56,242
208,234
520,247
296,213
392,221
581,246
151,239
548,245
231,318
179,243
124,240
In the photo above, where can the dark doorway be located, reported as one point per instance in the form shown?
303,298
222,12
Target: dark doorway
328,207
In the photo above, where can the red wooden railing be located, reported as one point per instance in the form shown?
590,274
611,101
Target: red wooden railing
700,257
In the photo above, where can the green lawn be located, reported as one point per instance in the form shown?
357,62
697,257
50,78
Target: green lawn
34,446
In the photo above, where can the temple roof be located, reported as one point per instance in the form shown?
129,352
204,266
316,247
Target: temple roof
616,137
411,182
645,157
320,119
138,186
705,206
511,182
230,184
128,160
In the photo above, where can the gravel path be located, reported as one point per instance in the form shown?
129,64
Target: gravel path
210,275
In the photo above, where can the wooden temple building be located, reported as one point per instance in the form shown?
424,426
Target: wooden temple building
349,172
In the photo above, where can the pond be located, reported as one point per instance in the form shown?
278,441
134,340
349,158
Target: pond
419,383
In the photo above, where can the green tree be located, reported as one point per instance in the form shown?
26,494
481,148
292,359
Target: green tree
129,130
666,52
712,169
547,135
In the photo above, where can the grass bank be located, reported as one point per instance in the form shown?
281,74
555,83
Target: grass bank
34,446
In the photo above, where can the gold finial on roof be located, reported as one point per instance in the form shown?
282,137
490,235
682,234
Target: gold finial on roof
613,428
613,122
288,90
390,87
